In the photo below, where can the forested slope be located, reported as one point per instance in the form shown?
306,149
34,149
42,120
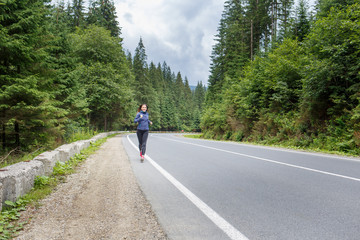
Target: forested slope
63,69
283,74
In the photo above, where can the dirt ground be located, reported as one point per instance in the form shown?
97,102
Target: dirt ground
102,200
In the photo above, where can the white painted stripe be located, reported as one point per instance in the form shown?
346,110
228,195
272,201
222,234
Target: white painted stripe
280,149
232,232
268,160
317,154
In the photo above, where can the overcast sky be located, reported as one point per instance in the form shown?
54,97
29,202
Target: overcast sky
180,32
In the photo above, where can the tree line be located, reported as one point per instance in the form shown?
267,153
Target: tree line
63,68
283,74
173,105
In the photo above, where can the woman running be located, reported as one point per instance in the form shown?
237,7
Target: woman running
142,118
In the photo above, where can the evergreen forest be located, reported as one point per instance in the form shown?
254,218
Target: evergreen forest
63,70
281,73
285,73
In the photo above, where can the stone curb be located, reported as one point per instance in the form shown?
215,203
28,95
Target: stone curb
18,179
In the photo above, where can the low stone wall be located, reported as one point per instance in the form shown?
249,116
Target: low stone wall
18,179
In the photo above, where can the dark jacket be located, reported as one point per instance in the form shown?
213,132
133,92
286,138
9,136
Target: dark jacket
143,122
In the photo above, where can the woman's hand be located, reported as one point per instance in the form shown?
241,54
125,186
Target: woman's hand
150,122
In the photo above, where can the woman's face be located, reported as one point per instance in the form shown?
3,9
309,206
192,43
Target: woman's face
143,108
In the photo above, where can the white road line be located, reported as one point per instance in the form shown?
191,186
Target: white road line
317,154
232,232
268,160
274,148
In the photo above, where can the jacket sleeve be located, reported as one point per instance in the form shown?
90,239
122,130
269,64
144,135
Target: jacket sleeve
137,118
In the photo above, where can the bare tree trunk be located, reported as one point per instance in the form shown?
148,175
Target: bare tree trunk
266,41
3,136
105,123
285,18
17,134
252,40
274,12
275,18
272,20
258,26
57,15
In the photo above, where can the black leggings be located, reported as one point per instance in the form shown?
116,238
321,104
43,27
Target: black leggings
142,137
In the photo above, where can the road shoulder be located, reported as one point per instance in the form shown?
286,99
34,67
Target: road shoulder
102,200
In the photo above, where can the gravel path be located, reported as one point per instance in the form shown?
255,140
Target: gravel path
102,200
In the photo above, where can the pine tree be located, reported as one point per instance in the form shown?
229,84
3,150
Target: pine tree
103,13
189,106
129,59
285,11
258,21
140,72
302,21
199,95
26,96
144,92
68,89
78,13
232,49
323,6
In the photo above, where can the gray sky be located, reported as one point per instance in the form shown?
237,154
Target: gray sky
180,32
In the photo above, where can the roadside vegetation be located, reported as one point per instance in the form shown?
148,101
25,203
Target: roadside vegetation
63,70
10,215
278,144
17,155
286,75
281,73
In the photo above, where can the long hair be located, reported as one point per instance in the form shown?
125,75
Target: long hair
139,109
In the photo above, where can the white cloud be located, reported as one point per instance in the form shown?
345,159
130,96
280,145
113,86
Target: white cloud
178,32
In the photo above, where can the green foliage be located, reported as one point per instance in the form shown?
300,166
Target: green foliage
95,44
103,14
301,27
105,77
213,121
11,213
196,136
43,186
333,76
27,102
171,103
66,168
62,168
64,74
324,6
75,133
43,181
303,92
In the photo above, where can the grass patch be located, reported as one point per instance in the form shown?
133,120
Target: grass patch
278,144
8,218
80,134
43,186
196,136
16,155
10,159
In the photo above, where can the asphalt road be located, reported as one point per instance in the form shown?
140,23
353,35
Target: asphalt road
203,189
